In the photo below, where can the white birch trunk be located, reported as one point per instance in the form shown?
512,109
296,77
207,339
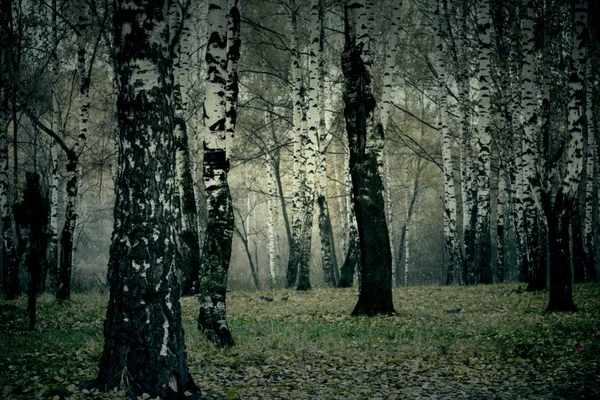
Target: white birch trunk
54,153
220,114
484,141
450,207
591,148
407,229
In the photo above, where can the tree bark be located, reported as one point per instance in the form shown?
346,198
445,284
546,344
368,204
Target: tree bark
65,268
365,156
9,251
220,117
189,241
484,140
144,348
561,292
53,261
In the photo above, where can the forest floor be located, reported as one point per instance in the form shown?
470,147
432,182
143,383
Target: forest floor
501,345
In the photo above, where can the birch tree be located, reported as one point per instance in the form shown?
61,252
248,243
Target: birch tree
531,189
558,216
484,141
144,350
365,143
74,172
220,105
305,125
449,200
9,251
328,256
53,265
189,242
384,115
590,157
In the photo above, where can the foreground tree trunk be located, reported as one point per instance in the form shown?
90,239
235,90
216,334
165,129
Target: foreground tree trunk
144,348
219,119
365,147
9,251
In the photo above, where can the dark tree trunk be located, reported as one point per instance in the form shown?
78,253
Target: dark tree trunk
144,348
303,250
33,213
253,271
578,255
367,187
217,253
189,241
536,262
561,287
352,261
66,240
326,232
10,264
469,238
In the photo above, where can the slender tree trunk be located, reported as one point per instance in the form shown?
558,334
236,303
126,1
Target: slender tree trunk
297,255
63,291
53,264
144,349
449,201
220,120
189,241
328,256
484,140
500,223
243,235
352,261
590,245
9,252
365,142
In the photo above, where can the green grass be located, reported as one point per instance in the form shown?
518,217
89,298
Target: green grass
501,345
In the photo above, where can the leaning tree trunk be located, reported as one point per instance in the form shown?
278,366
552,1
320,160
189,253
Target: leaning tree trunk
561,290
63,291
220,117
483,244
365,142
189,242
144,351
9,252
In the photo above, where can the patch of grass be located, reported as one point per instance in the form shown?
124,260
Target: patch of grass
500,345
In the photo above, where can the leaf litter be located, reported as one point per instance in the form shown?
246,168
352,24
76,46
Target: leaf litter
501,345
